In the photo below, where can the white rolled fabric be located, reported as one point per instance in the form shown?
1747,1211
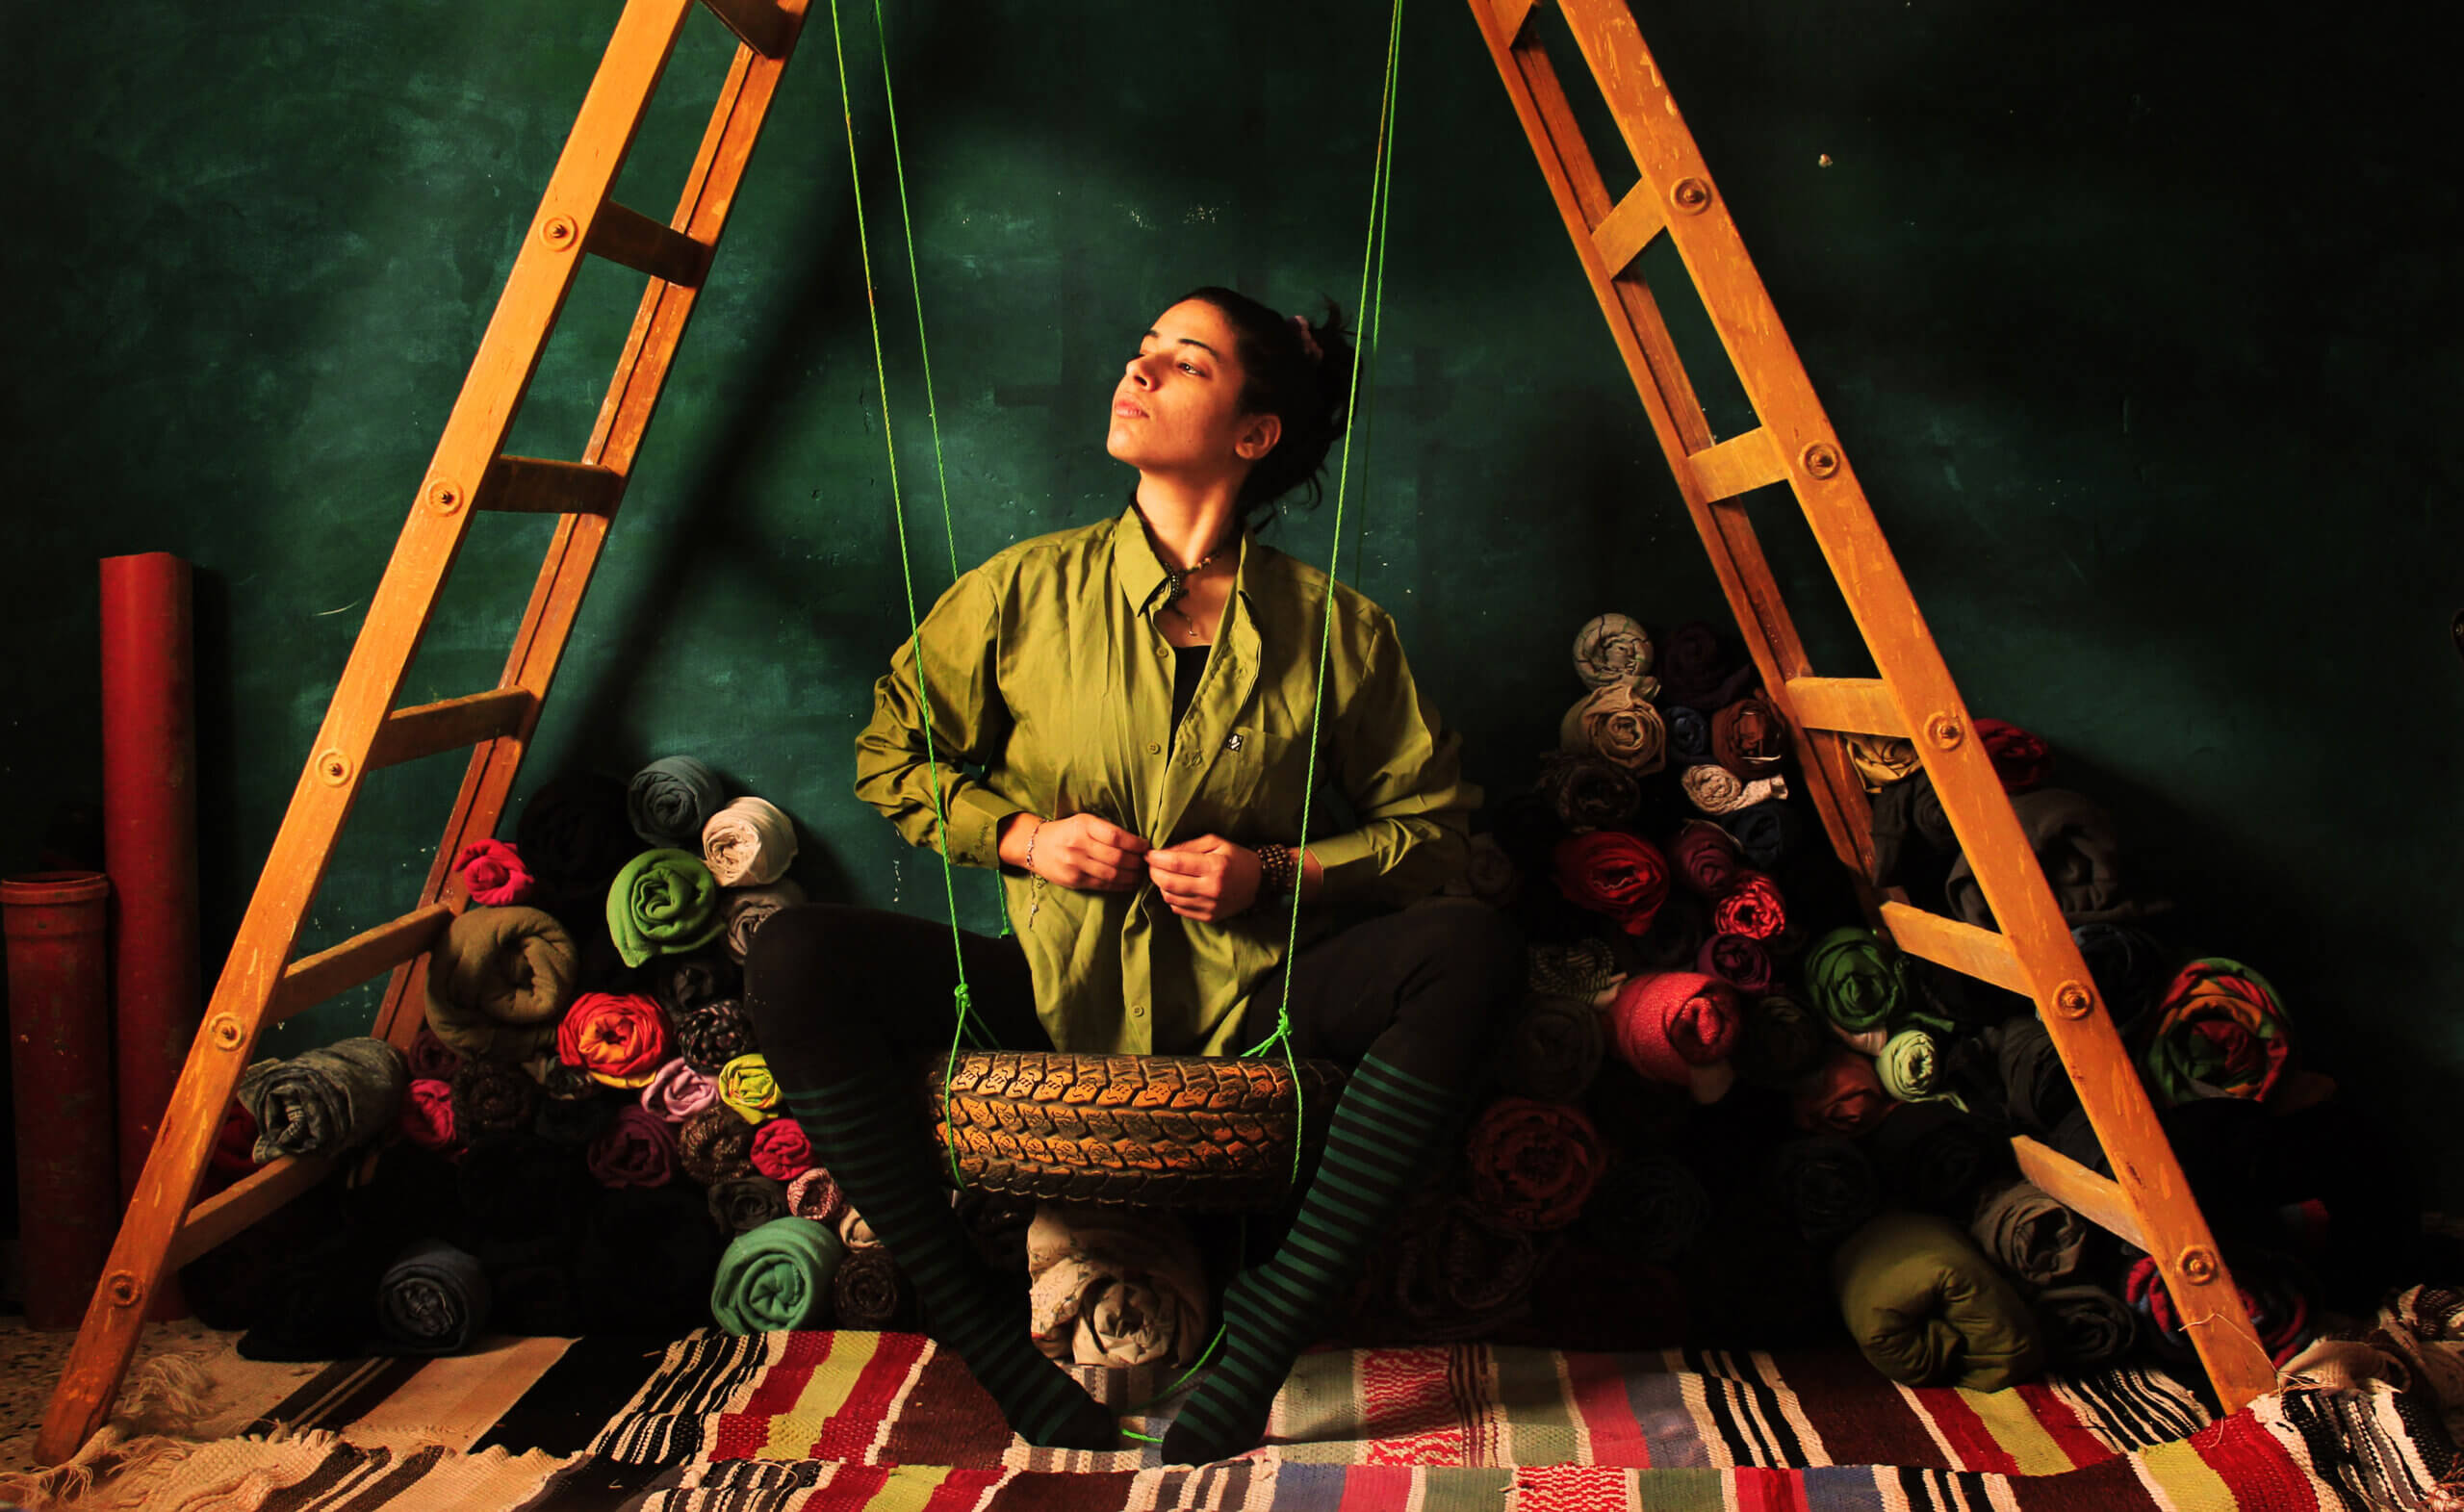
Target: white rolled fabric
1714,789
1111,1286
750,843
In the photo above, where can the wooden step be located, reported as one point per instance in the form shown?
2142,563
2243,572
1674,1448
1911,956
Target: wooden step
364,957
2096,1198
1625,231
1962,947
622,234
1738,465
453,725
1847,705
759,24
245,1201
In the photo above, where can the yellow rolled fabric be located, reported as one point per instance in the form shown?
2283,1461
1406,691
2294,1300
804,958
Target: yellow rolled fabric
745,1084
1928,1308
499,981
749,843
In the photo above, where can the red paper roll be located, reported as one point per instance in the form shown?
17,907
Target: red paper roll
61,1068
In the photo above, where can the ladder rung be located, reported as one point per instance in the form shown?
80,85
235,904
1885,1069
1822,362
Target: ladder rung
1851,705
1738,465
624,235
1963,948
757,23
2096,1198
410,733
245,1201
312,978
1625,231
539,486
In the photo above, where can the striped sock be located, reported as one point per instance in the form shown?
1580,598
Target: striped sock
1383,1126
864,1131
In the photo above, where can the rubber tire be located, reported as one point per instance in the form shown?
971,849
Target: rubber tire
1187,1132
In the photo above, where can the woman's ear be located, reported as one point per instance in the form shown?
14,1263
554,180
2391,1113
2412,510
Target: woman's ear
1258,436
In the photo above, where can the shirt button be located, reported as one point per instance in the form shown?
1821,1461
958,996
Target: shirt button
1154,748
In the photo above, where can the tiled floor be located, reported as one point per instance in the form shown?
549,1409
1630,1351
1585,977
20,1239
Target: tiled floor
31,1363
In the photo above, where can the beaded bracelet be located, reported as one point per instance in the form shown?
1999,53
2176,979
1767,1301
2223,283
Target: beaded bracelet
1278,870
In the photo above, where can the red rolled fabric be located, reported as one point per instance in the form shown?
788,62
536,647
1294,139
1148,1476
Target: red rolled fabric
1750,738
60,1043
431,1059
235,1143
1707,857
634,1150
814,1194
427,1114
1534,1163
1738,961
1678,1027
493,873
780,1151
1752,907
1843,1095
2021,759
619,1038
1611,872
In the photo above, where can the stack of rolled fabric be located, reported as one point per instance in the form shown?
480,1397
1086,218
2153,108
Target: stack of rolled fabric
1458,1269
2076,847
1651,1207
1534,1163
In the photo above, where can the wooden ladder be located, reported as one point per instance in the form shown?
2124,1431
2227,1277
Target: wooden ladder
363,731
2146,1202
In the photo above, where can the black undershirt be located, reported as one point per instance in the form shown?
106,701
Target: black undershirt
1188,665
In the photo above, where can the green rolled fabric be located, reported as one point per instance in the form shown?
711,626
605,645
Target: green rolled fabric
1910,1069
499,981
326,1101
663,903
1857,982
1928,1308
775,1276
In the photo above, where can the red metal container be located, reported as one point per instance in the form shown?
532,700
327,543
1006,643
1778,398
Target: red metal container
60,1046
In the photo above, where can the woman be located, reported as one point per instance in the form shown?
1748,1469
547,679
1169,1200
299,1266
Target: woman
1139,695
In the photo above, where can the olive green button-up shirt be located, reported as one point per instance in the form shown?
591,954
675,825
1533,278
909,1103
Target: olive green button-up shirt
1045,669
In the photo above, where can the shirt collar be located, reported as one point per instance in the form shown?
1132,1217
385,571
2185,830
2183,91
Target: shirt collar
1141,573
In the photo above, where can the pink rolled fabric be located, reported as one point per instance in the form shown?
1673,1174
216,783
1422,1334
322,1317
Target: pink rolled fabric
1707,857
1678,1027
635,1150
1752,907
814,1194
780,1151
1737,960
493,872
677,1092
1843,1095
427,1114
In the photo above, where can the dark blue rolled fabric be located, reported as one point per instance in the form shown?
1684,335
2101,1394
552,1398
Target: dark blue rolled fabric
669,801
1689,736
2131,968
1765,833
432,1299
1826,1186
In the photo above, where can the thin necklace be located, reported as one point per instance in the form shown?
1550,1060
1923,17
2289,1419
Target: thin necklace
1176,579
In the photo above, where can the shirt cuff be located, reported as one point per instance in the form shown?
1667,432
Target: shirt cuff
976,813
1349,864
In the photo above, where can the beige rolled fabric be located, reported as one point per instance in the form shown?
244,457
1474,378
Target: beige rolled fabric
750,843
1611,648
1619,723
1716,790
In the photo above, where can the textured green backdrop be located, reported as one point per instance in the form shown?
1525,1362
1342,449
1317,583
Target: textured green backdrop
2143,334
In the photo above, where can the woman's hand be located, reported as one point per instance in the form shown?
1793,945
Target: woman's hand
1208,879
1082,852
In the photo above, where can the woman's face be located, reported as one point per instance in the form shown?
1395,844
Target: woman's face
1177,407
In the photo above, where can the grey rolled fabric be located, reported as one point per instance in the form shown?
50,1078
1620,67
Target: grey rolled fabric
2077,846
747,909
2029,1234
1611,648
326,1101
741,1204
433,1300
2085,1327
1554,1049
1584,969
669,801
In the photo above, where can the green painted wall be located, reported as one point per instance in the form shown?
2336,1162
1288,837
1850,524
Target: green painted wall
2142,334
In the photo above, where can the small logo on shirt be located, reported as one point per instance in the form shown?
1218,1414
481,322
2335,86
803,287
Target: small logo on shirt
1232,741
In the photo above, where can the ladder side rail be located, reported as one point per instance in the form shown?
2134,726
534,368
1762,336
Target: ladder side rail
1677,421
1928,701
573,553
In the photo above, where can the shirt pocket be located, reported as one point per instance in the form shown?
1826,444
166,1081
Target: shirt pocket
1251,782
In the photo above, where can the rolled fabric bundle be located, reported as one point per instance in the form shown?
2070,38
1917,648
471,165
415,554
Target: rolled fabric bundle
1111,1286
634,1150
1737,960
1842,1096
431,1059
682,984
1584,969
1826,1186
1750,738
572,1123
2077,846
1766,832
1460,1269
427,1116
750,843
2085,1327
1490,873
235,1143
1618,723
853,1232
780,1150
740,1204
743,911
1692,665
1611,648
2130,968
1752,907
326,1101
1678,1027
562,1083
1881,760
2270,1289
1675,941
1589,792
675,1093
1554,1050
777,1276
715,1145
498,982
2021,759
432,1299
620,1038
1689,736
1707,857
1928,1310
2220,1032
748,1090
492,873
1612,873
1909,1069
1781,1040
490,1101
669,801
1937,1160
1857,979
815,1196
520,1190
870,1293
2035,1087
572,833
663,903
715,1033
645,1257
1647,1208
2029,1234
1716,790
998,1223
1535,1163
